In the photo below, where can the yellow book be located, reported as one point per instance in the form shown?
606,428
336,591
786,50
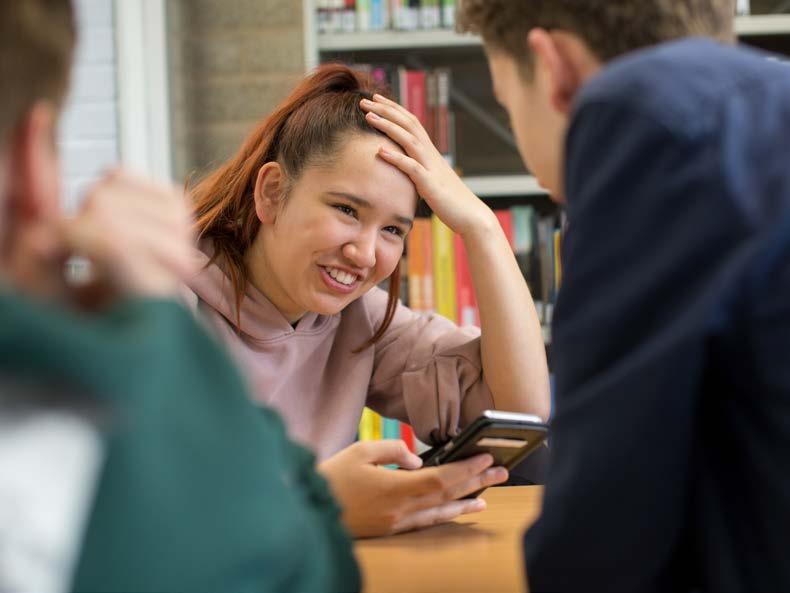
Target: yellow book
366,425
377,426
370,426
443,269
557,259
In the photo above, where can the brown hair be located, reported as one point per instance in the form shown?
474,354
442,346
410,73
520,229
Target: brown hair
610,28
36,45
307,128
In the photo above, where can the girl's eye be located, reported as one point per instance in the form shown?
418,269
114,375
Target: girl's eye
394,230
348,210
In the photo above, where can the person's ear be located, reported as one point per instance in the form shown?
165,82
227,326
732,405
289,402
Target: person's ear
560,65
34,167
269,192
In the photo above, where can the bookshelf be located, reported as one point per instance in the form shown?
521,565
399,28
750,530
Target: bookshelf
505,188
745,26
500,180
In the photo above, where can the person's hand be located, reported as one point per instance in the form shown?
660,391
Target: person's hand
432,175
380,501
136,234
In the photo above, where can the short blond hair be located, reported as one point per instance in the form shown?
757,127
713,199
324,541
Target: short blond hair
610,28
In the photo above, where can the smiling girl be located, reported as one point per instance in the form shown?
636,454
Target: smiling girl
296,232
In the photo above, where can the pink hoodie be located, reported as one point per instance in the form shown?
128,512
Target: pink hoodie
425,370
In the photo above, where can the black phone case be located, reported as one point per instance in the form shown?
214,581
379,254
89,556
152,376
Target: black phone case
465,444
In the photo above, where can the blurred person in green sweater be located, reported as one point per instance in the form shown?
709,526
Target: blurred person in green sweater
130,456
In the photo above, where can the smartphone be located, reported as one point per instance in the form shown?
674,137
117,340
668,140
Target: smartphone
508,436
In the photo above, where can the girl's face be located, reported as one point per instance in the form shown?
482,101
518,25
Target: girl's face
339,232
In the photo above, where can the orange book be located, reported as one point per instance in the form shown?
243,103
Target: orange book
415,253
428,299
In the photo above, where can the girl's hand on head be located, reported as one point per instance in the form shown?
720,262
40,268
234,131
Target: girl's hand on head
432,175
379,501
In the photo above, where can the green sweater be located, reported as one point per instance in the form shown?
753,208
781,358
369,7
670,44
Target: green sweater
200,490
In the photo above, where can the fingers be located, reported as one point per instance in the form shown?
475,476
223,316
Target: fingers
439,514
388,451
137,233
397,114
411,144
437,485
409,166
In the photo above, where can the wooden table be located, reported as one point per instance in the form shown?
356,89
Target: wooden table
476,553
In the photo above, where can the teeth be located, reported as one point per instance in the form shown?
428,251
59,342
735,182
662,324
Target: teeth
341,276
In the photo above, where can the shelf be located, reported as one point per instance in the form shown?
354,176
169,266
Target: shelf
374,40
504,185
763,24
768,24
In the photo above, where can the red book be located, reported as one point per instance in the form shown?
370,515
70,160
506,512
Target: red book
505,218
407,436
468,313
416,101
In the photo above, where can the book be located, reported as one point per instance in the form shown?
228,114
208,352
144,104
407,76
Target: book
407,436
430,14
466,299
505,218
379,15
366,421
442,113
524,245
427,293
448,14
349,16
412,92
444,269
416,264
363,15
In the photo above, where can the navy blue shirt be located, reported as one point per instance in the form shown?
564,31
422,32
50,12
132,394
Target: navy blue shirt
671,435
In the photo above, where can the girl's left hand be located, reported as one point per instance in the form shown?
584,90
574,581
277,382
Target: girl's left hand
432,175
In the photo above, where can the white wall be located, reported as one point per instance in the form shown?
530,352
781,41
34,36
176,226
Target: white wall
89,137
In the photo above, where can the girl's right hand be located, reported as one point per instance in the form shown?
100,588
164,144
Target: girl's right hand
379,501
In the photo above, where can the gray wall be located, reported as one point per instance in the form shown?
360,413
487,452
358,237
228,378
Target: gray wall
231,61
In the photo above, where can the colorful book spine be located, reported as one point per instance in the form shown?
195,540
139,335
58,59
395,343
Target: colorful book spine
444,269
468,312
415,94
407,436
428,295
349,16
430,14
379,15
431,105
416,264
363,16
505,218
448,14
443,120
524,245
390,428
366,422
557,260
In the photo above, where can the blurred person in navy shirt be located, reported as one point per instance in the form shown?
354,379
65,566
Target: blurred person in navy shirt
669,147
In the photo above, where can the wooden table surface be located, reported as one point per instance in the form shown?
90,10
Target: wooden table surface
478,553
